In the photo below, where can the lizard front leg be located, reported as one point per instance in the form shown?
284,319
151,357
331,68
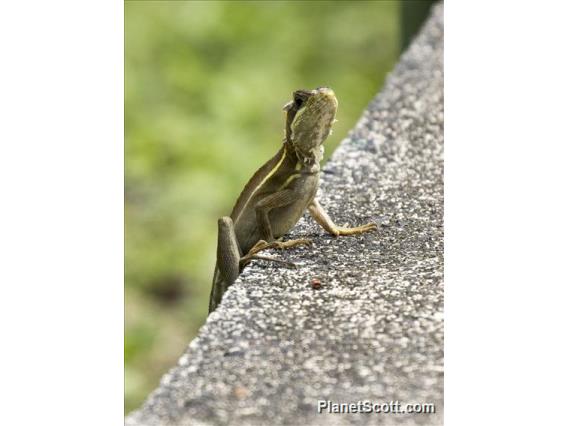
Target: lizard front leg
321,217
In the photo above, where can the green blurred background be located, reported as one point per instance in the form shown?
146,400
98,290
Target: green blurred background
204,87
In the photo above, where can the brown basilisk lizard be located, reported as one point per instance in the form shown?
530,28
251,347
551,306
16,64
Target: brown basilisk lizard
279,193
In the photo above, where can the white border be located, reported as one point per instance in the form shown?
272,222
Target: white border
61,214
506,88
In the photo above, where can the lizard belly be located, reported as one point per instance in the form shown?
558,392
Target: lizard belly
283,219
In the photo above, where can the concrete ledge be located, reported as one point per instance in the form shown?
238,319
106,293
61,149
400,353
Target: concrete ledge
374,330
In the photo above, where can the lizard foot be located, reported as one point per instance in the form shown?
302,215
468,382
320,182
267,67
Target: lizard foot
291,243
340,230
262,245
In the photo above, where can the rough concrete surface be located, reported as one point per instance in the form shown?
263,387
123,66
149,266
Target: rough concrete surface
374,330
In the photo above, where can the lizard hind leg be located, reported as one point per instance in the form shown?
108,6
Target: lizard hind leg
227,266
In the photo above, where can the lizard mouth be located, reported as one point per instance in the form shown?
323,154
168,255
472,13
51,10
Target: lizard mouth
328,94
325,91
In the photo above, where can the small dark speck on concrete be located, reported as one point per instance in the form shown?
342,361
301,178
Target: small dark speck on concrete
374,331
316,283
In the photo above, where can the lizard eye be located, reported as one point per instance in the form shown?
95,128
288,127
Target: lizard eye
300,97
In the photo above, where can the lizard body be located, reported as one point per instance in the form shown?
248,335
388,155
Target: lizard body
278,194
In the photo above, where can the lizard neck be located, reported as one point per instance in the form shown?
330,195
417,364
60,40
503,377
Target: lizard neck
307,163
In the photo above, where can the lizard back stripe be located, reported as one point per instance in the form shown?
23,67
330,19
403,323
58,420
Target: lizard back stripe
268,176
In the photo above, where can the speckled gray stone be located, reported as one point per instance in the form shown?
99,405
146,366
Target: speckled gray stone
374,331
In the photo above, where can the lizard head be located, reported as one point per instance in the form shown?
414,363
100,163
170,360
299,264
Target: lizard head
310,115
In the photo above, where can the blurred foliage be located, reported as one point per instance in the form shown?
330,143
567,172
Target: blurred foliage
204,87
